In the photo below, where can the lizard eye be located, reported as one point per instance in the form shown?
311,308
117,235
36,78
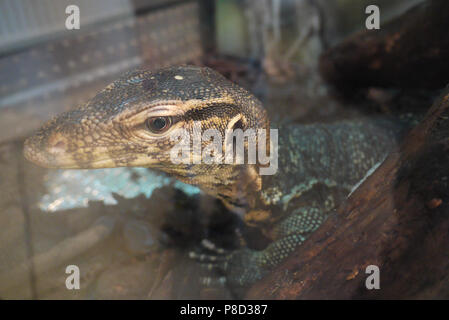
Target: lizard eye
158,124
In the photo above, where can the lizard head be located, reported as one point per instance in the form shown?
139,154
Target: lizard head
132,121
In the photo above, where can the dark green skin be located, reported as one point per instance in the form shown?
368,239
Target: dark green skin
318,163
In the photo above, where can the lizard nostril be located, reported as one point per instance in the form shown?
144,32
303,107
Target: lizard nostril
58,147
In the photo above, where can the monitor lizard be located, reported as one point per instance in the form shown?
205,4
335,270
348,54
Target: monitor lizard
128,124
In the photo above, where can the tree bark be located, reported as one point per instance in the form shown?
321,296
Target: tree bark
398,220
408,52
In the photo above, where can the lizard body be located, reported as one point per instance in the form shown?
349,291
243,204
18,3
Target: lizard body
128,124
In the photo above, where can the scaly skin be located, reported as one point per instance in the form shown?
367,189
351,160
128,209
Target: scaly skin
318,164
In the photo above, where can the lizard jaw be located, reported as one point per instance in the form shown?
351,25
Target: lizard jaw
52,152
56,157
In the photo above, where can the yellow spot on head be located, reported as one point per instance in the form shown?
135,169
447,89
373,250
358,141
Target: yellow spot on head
178,77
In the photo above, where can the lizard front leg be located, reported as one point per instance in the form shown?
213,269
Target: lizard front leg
245,266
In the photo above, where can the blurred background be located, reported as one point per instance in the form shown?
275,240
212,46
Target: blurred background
128,230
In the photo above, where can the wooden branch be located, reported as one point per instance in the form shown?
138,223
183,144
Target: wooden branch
408,52
398,219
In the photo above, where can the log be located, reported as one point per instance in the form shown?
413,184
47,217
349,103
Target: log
408,52
398,220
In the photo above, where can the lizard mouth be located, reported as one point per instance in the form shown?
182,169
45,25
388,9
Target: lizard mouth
54,154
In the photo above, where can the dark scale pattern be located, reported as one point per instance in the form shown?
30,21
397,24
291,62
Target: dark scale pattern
318,164
334,155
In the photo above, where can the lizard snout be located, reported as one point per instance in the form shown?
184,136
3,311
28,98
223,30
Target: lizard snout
46,150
